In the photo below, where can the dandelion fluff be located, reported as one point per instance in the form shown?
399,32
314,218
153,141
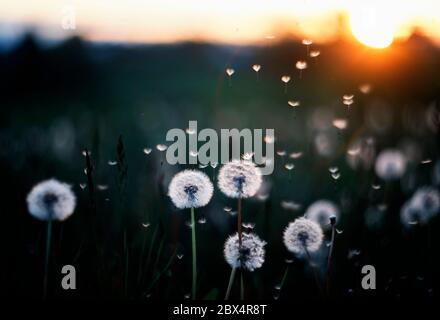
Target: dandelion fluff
51,200
321,211
303,234
427,199
190,189
390,164
239,179
250,255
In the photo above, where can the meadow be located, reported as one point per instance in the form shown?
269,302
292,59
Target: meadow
95,115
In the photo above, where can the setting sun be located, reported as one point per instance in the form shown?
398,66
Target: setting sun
373,24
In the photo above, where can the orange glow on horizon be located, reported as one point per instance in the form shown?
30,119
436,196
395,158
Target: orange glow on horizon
374,23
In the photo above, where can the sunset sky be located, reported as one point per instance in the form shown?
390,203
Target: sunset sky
374,23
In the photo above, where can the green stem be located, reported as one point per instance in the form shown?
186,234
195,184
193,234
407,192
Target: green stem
315,271
241,285
126,262
194,255
231,281
284,277
330,258
46,262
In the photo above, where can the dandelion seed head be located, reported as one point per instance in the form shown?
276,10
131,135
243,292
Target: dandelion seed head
321,211
239,179
303,233
51,200
390,164
250,255
190,189
428,200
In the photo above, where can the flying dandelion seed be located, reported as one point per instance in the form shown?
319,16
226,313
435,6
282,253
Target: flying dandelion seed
193,153
348,96
161,147
51,200
248,225
230,72
303,235
250,255
84,153
227,209
263,197
180,257
293,103
281,153
426,161
390,164
201,221
239,179
295,155
269,139
190,131
247,156
307,43
336,175
145,225
333,169
102,187
314,53
354,151
83,186
340,124
112,163
256,68
348,103
290,205
286,80
213,164
376,186
321,211
301,65
147,151
289,166
365,88
190,189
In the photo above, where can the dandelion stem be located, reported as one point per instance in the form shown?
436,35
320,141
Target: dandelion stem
231,281
241,285
315,271
330,257
46,262
239,220
284,278
194,254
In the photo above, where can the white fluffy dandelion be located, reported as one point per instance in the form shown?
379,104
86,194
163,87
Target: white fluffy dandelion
421,208
239,179
51,200
321,211
301,235
390,164
250,255
190,189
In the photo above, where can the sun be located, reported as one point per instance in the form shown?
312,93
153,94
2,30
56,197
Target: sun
373,24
